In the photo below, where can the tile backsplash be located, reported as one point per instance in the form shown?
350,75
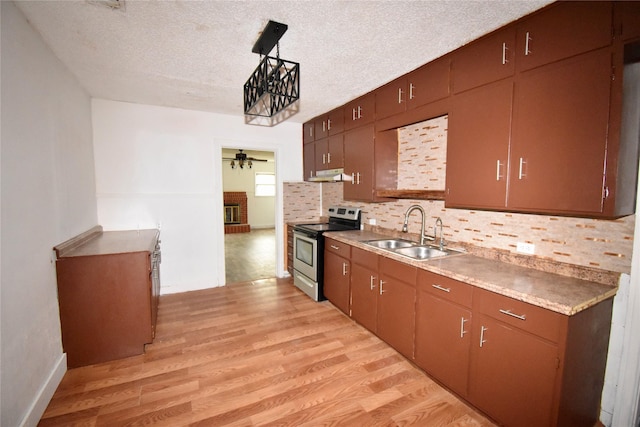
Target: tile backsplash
600,244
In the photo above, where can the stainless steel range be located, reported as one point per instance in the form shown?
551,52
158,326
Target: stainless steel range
308,248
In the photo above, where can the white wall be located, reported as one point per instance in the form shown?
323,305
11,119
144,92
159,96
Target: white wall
48,196
158,165
261,209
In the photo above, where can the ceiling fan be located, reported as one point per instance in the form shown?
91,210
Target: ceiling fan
241,158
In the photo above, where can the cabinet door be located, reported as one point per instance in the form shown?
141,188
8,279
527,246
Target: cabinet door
309,160
513,374
335,156
358,162
308,132
336,280
428,83
321,154
364,287
564,30
392,98
321,127
627,19
443,339
335,121
560,131
478,147
484,60
396,313
360,111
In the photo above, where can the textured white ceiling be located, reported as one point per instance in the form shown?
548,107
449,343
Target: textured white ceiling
197,54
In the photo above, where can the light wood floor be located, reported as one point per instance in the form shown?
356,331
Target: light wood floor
257,353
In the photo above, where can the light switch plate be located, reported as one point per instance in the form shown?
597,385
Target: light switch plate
526,248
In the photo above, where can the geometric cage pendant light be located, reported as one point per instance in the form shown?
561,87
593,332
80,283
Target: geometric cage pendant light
275,83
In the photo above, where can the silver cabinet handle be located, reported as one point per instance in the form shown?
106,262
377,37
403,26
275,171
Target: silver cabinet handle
311,131
441,288
328,124
353,181
324,126
517,316
498,170
482,331
399,95
411,86
324,159
344,268
359,112
372,285
527,51
520,172
353,114
381,283
328,158
358,175
337,248
504,54
462,331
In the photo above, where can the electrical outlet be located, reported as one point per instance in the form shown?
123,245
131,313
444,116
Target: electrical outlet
526,248
372,221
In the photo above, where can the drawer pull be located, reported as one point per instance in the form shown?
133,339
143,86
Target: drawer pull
372,285
517,316
337,248
441,288
344,269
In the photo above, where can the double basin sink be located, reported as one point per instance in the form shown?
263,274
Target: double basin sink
412,249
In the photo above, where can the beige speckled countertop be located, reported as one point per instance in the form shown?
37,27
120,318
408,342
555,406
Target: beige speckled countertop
562,294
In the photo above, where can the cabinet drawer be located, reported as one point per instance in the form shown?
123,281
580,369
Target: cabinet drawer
536,320
365,258
398,270
445,288
338,248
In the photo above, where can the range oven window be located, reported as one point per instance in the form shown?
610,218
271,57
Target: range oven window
304,251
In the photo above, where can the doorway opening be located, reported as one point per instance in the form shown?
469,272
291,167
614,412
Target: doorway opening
248,185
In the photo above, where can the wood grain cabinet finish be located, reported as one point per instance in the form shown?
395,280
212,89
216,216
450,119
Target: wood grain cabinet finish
309,160
329,153
308,132
108,300
626,20
337,273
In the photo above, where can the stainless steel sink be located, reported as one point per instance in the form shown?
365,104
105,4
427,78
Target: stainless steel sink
390,243
422,252
411,249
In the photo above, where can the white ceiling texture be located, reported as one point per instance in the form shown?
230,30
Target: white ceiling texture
197,54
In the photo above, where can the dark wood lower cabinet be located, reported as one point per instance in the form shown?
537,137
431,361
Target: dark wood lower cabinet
443,339
521,364
336,280
108,295
513,374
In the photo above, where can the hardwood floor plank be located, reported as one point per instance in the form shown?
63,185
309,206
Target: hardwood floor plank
256,354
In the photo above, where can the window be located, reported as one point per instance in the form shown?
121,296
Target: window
265,184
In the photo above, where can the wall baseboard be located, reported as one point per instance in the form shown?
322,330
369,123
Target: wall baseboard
39,404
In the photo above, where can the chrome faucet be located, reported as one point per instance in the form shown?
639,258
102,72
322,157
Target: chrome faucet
405,226
442,242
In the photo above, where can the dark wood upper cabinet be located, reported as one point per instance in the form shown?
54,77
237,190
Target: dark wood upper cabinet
626,19
335,121
392,98
563,30
321,127
560,134
478,147
308,132
485,60
309,160
360,111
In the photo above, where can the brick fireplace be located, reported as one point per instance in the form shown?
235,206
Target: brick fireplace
236,217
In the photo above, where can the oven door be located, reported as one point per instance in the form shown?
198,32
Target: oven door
305,255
